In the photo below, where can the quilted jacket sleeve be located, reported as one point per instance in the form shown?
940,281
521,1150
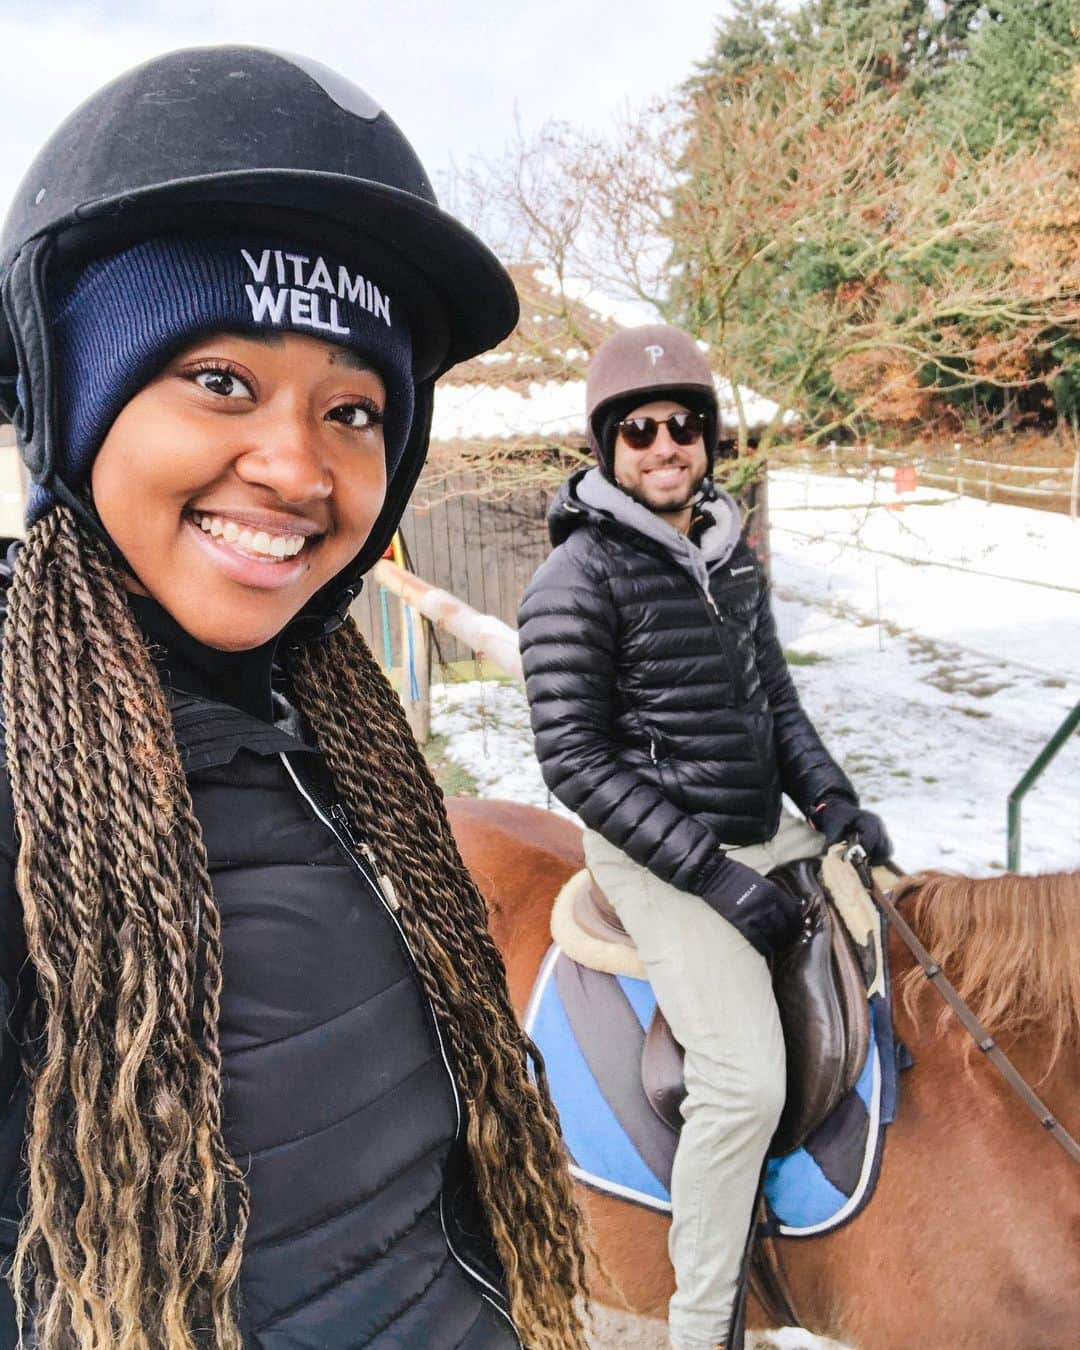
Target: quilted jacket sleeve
808,773
567,627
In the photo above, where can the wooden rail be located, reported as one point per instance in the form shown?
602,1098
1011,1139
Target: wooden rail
493,641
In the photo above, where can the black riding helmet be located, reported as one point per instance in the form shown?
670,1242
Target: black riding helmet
221,136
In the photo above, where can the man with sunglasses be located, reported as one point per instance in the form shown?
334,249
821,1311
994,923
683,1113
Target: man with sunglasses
665,716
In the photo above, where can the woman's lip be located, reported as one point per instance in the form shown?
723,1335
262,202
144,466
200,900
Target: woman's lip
270,575
274,522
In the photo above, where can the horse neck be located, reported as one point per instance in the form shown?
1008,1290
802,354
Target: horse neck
1017,971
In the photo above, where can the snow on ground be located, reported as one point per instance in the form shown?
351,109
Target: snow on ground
951,637
548,407
934,685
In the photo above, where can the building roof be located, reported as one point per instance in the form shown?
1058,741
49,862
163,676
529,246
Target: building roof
531,388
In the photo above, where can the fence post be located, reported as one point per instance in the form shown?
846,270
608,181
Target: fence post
416,671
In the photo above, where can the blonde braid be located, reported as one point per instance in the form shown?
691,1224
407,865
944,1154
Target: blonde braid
124,1242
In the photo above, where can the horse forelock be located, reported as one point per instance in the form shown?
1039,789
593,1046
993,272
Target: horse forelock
1011,946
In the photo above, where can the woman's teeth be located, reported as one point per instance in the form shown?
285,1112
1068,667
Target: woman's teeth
261,542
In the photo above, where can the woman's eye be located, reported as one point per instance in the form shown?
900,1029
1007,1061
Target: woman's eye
356,415
222,382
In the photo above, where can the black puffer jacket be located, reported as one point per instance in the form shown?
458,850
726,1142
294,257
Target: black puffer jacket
662,705
365,1226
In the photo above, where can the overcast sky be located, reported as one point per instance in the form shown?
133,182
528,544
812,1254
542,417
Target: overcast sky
453,74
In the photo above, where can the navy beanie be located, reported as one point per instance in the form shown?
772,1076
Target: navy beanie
119,320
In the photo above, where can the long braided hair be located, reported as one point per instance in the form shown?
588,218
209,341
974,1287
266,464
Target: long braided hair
136,1213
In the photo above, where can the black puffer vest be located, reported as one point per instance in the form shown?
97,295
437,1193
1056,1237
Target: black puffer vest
663,710
365,1226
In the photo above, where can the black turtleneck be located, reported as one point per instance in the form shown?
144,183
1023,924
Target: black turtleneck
241,679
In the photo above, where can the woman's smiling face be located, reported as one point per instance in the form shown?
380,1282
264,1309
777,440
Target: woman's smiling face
244,477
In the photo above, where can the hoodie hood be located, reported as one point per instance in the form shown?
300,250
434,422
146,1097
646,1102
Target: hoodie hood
588,498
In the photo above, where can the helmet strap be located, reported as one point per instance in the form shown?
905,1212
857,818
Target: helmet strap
83,508
24,302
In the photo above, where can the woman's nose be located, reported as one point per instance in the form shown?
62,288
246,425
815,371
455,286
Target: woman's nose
287,457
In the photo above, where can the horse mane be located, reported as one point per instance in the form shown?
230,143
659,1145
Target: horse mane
1011,946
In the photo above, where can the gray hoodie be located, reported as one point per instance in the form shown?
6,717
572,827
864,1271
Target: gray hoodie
717,542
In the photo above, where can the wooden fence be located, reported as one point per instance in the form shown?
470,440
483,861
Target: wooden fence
484,552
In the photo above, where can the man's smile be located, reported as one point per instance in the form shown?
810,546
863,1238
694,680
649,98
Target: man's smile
666,475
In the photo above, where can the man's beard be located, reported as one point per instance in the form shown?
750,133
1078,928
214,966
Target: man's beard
668,509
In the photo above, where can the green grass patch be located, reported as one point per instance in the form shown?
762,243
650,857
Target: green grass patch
459,672
454,672
804,658
450,776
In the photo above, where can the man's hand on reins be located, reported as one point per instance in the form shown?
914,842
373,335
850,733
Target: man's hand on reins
837,818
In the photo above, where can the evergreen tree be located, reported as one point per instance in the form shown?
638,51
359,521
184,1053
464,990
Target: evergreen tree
1012,81
753,34
896,40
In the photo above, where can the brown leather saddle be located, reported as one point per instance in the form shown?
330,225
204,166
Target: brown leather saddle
820,989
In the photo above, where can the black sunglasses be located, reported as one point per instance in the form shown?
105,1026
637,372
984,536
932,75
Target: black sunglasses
684,428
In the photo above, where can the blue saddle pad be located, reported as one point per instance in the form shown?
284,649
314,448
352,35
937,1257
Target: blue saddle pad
810,1191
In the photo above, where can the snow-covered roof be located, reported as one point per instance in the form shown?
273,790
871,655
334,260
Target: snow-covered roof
548,409
532,386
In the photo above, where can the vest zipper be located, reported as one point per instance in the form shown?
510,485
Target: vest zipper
383,884
337,822
760,753
494,1297
717,621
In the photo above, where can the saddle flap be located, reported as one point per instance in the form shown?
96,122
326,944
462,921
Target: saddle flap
662,1071
821,995
851,989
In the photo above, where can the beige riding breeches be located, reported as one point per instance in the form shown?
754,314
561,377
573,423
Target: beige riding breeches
716,993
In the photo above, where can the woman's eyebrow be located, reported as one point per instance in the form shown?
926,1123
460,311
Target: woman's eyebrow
266,337
347,357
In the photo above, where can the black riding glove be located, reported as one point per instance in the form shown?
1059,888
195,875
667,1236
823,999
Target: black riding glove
766,916
837,819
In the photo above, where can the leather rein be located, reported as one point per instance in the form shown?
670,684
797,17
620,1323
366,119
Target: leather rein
856,855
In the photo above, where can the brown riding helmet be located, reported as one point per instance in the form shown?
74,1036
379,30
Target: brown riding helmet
638,365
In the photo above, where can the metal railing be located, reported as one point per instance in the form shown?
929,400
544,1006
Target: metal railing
1038,765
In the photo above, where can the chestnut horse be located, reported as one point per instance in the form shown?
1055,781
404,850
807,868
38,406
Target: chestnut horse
972,1238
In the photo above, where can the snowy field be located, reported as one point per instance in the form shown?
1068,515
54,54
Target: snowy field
936,648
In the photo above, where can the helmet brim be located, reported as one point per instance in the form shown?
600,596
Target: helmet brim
459,298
